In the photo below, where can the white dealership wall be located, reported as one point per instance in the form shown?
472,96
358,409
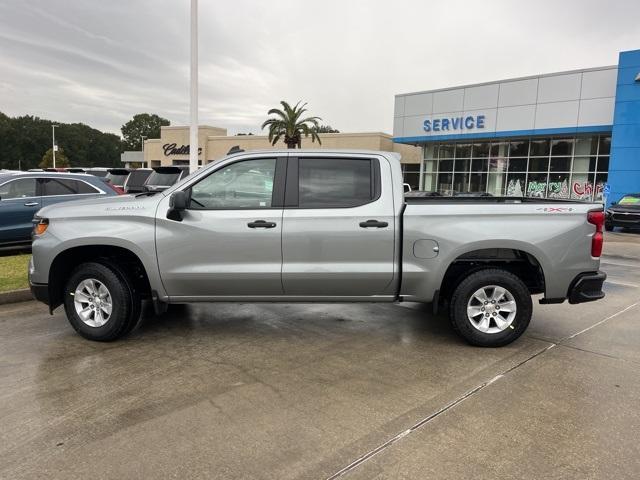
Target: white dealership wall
557,103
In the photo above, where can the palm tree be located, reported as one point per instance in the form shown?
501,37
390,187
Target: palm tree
289,125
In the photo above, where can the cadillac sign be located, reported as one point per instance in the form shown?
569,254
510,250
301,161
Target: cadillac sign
174,149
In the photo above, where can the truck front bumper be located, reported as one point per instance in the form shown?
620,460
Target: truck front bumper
40,292
587,287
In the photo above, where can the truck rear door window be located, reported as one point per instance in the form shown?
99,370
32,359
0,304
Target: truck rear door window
335,183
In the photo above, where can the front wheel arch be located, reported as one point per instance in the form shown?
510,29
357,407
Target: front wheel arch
123,259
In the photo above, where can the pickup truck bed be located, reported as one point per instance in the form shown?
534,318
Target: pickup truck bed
553,236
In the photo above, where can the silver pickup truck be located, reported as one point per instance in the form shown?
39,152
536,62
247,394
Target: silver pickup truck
314,226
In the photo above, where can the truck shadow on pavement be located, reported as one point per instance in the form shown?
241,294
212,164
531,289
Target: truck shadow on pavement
273,320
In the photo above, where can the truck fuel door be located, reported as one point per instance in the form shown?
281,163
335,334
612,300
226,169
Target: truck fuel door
425,248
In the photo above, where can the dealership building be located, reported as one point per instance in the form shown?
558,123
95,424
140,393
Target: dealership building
172,148
558,135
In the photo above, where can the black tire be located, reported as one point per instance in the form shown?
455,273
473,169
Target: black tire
476,281
126,304
608,227
136,301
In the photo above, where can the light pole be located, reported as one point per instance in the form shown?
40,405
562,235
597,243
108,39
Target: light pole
142,137
54,146
193,129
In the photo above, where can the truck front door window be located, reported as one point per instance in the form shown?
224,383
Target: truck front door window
247,184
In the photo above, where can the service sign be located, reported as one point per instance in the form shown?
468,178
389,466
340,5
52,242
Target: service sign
454,124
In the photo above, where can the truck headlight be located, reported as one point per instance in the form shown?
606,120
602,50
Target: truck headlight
40,225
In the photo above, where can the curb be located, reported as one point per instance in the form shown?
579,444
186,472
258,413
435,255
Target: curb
15,296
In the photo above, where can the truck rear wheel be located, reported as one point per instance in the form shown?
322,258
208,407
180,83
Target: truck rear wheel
100,302
491,308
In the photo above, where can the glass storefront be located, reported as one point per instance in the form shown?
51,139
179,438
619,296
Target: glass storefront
411,174
574,167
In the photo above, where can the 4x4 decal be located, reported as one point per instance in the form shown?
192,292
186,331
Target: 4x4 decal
556,209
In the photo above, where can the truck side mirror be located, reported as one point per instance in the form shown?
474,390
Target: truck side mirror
178,203
614,203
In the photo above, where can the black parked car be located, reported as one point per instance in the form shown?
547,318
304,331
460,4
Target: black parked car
163,177
625,213
136,179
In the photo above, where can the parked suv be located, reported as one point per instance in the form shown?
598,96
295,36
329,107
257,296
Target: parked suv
23,194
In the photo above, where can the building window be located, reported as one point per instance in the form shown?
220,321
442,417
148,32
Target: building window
556,167
411,175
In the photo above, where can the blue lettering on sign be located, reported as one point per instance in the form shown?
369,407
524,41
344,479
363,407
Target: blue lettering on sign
469,122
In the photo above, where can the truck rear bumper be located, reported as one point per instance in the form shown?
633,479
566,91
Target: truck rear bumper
587,287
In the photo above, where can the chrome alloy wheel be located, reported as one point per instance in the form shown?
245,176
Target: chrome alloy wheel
491,309
93,303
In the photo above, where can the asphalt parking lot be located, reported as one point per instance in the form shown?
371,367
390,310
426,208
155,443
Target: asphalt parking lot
327,391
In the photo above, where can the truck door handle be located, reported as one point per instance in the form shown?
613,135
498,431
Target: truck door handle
373,223
261,224
31,204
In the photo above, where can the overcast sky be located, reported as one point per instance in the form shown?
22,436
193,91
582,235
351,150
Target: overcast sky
101,61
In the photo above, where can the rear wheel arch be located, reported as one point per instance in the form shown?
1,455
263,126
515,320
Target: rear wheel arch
518,262
121,258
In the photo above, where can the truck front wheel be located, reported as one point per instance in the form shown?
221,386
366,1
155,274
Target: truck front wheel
491,308
100,302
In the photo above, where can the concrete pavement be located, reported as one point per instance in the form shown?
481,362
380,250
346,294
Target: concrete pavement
324,391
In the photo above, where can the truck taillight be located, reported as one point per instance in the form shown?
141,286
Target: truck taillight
596,217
